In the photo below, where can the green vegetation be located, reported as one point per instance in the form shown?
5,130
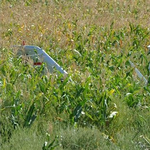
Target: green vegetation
101,104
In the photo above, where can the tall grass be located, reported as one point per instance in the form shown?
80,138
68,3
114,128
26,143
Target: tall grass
101,104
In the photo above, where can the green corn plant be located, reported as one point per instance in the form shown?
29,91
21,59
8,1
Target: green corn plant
50,145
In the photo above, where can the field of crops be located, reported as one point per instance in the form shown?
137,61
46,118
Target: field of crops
101,104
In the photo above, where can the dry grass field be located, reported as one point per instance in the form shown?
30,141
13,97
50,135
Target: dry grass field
41,22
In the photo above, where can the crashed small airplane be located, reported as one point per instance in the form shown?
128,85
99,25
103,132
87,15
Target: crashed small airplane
39,56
